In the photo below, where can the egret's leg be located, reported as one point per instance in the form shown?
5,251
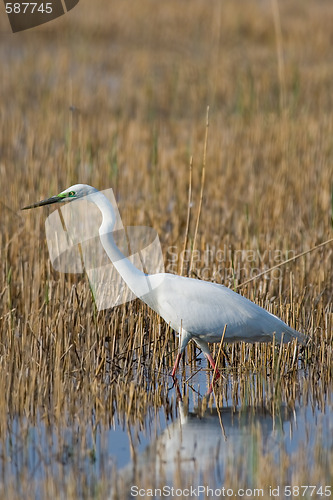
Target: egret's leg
185,337
217,373
213,364
173,375
205,349
175,366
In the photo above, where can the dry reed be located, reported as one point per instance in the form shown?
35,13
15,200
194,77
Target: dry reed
139,80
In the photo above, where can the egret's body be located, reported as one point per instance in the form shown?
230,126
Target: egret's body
196,309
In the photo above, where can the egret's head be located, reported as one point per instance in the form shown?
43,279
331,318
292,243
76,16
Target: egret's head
72,193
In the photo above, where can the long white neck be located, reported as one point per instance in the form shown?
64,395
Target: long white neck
135,279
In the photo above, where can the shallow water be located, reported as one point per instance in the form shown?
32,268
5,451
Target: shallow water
200,447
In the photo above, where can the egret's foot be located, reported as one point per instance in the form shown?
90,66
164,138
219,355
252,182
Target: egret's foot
217,376
176,386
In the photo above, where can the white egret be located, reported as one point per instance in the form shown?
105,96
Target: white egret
197,310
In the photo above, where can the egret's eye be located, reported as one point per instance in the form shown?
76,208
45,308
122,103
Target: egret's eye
71,193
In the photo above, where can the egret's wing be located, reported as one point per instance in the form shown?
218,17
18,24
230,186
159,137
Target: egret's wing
203,308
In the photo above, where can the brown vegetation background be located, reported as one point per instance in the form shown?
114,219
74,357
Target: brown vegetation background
114,94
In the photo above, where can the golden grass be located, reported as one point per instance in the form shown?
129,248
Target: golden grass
140,78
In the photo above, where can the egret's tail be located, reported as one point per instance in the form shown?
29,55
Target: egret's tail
288,334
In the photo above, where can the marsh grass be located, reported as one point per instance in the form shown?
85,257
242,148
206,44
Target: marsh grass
139,84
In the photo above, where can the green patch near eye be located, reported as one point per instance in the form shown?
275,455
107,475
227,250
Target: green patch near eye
66,195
